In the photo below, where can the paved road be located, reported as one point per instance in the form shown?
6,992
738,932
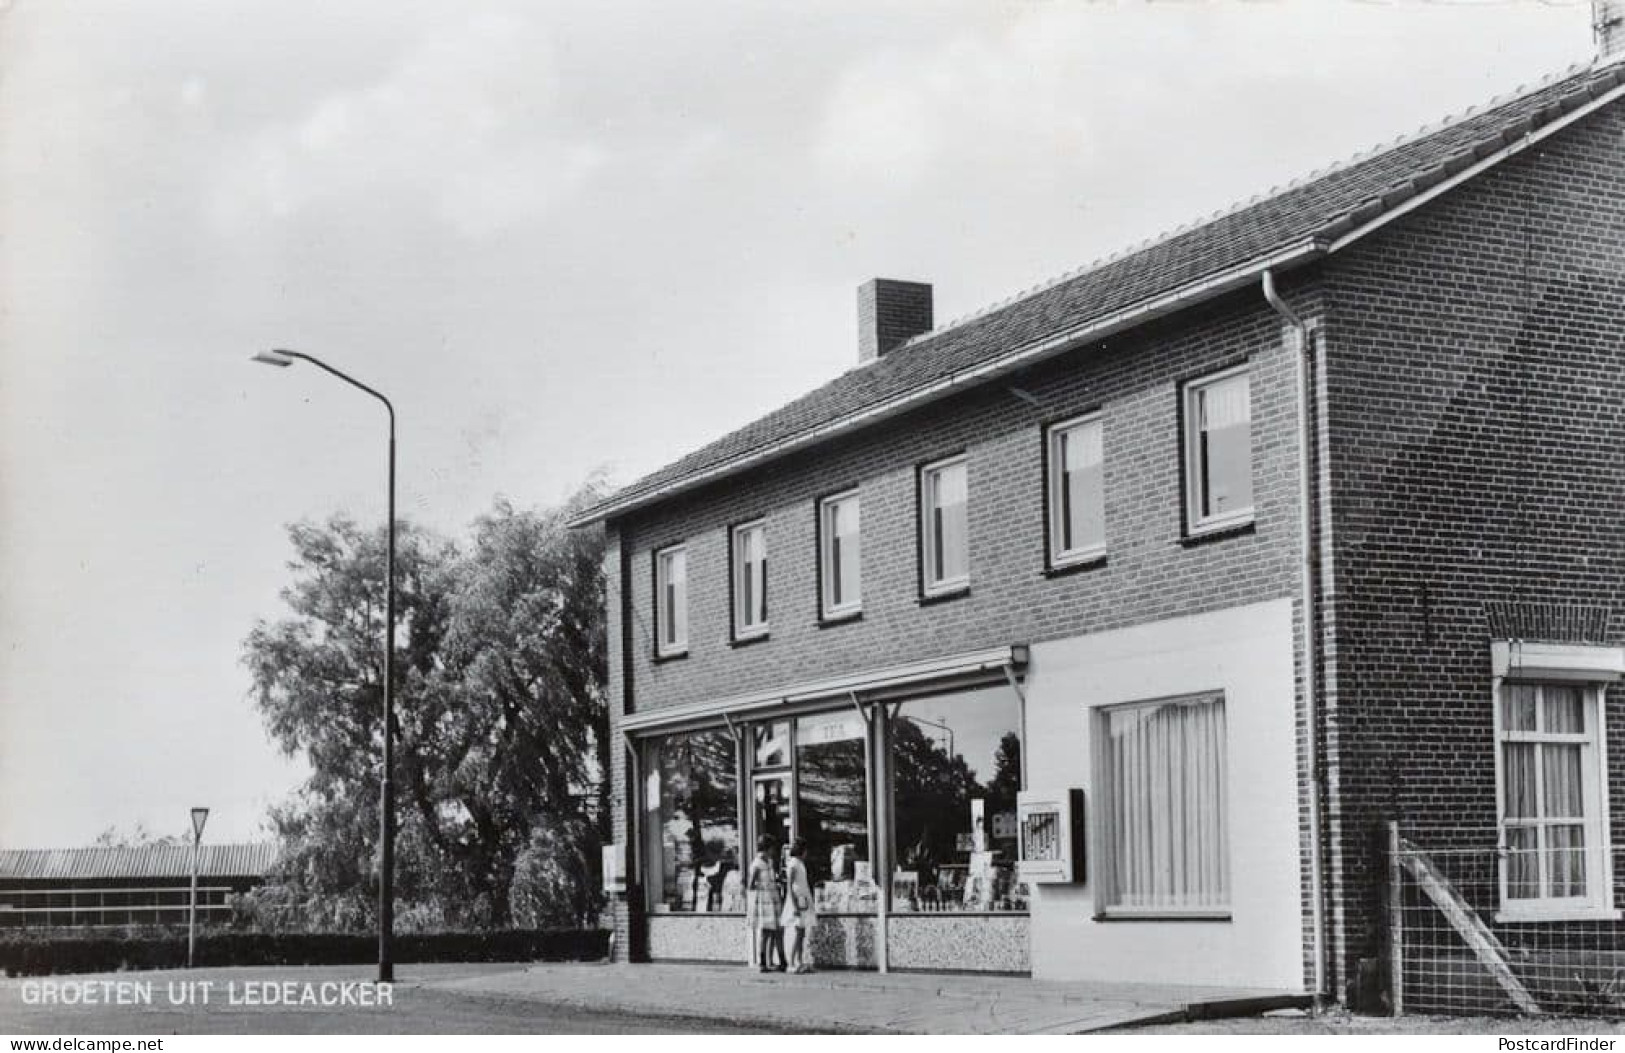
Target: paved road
423,1004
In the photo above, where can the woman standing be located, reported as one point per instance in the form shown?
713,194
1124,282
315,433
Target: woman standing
763,914
798,906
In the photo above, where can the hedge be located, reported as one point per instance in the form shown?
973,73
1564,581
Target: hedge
43,955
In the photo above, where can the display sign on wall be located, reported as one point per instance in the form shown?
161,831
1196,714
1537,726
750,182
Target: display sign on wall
1050,829
614,879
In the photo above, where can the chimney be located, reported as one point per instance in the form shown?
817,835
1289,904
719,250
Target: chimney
1608,23
889,312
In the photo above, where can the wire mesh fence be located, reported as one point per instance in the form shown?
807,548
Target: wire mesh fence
1499,932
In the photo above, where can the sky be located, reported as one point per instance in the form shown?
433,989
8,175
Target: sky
563,238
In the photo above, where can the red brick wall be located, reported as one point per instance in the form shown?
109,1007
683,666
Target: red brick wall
1148,573
1476,428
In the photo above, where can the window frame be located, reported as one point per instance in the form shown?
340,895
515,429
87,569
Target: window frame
1102,834
743,630
828,610
924,500
1196,524
1599,902
663,611
1056,556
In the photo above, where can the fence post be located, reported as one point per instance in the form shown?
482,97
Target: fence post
1396,925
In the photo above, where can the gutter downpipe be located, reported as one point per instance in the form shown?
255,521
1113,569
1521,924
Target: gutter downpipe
1311,666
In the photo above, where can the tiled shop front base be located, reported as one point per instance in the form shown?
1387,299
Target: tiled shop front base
969,942
698,937
995,943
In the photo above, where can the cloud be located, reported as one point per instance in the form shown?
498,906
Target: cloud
467,129
1019,93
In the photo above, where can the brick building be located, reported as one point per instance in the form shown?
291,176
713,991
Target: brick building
1286,525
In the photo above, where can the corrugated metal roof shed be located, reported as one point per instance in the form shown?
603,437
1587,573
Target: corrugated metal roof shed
152,861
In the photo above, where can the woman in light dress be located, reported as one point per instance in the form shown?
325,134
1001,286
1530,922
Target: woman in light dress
798,914
763,909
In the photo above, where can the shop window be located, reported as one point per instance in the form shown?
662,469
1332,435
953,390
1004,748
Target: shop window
840,556
697,859
944,549
832,809
1218,452
750,580
956,770
1077,491
772,744
1555,860
671,601
1161,786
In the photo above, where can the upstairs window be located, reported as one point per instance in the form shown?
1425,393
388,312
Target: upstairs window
1077,491
840,556
750,580
943,527
671,600
1218,452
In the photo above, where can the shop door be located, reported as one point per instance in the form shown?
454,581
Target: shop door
773,815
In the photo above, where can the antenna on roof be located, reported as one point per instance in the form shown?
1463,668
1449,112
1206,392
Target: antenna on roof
1608,27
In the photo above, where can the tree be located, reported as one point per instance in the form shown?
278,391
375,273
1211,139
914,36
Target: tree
138,837
932,794
318,683
1006,781
502,727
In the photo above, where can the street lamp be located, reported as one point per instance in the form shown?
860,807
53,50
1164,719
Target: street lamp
386,821
199,817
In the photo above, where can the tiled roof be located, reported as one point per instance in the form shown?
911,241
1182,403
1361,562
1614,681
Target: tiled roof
1287,225
152,861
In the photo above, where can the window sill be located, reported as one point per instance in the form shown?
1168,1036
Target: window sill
1536,915
954,593
1219,533
670,656
1164,915
904,912
745,641
1074,566
844,618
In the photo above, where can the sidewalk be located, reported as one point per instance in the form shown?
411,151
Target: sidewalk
914,1003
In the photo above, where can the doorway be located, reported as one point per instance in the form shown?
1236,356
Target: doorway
773,808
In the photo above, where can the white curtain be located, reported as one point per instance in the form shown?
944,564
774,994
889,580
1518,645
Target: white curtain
676,599
846,553
753,576
1082,504
1225,404
1165,773
949,491
1544,789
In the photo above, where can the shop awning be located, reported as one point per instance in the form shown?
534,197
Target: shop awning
971,669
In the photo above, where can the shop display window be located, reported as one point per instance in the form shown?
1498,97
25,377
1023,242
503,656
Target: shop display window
699,822
832,809
956,770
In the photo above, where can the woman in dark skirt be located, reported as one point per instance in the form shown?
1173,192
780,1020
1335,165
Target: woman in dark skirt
763,888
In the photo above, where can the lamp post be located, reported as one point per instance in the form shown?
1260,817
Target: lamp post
386,821
199,817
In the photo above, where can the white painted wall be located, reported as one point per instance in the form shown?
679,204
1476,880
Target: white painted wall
1247,653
